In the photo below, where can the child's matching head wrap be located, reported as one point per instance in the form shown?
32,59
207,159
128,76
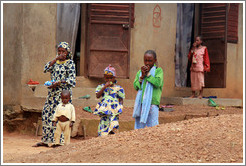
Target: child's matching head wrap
110,70
67,47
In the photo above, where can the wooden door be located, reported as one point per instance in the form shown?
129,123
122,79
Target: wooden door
108,38
214,32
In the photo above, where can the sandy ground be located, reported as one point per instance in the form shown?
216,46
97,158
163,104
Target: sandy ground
217,138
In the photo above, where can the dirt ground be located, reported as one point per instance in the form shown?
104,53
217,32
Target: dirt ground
207,136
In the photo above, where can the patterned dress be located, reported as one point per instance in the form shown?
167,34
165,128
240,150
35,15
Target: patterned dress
59,71
109,108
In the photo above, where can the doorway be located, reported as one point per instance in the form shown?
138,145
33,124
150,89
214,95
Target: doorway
108,37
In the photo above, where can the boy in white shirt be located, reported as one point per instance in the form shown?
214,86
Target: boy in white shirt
65,116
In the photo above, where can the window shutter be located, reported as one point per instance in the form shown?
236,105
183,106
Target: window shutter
132,15
213,30
213,21
232,24
108,13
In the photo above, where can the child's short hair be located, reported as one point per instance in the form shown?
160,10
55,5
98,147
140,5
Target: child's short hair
201,38
152,52
65,92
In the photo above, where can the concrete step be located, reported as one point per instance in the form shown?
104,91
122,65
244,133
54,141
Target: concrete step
91,102
90,127
35,104
35,100
203,101
42,91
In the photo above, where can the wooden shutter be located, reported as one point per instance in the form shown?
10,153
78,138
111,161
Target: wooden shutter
232,25
213,29
132,15
213,21
110,13
108,40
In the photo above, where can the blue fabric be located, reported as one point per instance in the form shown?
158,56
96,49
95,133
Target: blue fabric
152,118
141,109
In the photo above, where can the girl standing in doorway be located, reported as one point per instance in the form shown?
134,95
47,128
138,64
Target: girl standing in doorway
199,58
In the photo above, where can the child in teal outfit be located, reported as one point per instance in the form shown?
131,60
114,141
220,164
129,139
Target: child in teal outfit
148,83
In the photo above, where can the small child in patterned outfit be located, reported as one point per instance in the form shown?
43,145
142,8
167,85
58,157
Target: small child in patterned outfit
111,104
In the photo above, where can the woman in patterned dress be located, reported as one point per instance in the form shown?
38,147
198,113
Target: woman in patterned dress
62,70
111,104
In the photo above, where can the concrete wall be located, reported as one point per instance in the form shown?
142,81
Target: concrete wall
39,40
29,42
235,61
161,39
145,36
12,53
30,38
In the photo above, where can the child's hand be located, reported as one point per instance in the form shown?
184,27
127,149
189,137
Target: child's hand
144,70
194,45
54,123
108,84
71,124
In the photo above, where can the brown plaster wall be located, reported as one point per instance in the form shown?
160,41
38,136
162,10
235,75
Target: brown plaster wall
12,53
29,37
39,40
145,36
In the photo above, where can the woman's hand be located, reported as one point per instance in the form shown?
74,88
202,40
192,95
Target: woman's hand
55,84
53,61
61,57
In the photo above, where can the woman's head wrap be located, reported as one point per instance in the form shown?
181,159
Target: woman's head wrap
110,70
67,47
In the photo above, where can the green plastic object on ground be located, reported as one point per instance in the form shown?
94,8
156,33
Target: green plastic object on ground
88,109
211,103
85,97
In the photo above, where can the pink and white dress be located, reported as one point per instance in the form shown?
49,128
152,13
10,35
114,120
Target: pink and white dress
200,63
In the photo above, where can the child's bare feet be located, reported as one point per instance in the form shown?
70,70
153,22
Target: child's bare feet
200,96
193,96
